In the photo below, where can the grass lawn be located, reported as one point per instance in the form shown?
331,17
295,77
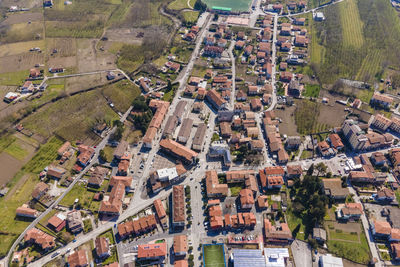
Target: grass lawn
181,4
190,16
121,94
385,256
16,151
296,225
311,90
85,197
109,152
213,256
337,234
235,190
9,225
14,78
354,251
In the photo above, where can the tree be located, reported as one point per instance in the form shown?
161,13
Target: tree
102,155
321,168
200,6
310,170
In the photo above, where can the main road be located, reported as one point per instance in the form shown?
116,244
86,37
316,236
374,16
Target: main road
273,59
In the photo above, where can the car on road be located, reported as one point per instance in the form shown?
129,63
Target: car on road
55,254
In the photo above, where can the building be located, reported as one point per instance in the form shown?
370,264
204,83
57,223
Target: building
161,108
248,257
113,205
39,238
354,135
198,139
102,247
335,141
55,172
85,155
276,257
185,154
25,211
78,259
57,222
216,99
333,189
275,171
380,99
185,130
381,229
219,149
74,221
351,211
160,211
293,142
385,195
246,199
380,122
330,261
97,177
319,234
120,149
40,190
395,247
213,187
294,171
178,206
277,234
180,245
157,251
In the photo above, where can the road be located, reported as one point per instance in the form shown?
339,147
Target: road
233,67
273,58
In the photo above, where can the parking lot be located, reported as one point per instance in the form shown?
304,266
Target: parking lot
162,161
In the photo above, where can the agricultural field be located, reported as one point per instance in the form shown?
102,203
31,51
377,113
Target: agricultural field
21,187
72,118
361,45
121,94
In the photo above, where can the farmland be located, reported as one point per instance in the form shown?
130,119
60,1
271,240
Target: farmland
21,188
358,46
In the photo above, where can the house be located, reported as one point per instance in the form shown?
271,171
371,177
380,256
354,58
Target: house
198,139
185,130
57,222
97,177
351,211
294,171
378,159
333,189
74,221
294,88
274,171
300,41
113,205
25,211
274,182
180,245
283,156
255,104
325,150
293,142
55,172
156,251
161,213
286,76
335,141
319,234
395,247
381,229
102,247
120,150
85,155
178,150
257,145
394,235
277,234
213,51
262,202
216,99
248,50
181,263
385,195
173,66
285,47
27,88
380,99
78,258
299,21
178,206
213,187
246,199
39,238
225,129
40,190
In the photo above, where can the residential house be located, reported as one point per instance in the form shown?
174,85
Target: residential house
335,141
40,190
293,142
277,234
39,238
185,154
385,195
180,245
351,211
381,229
333,189
294,171
319,234
380,99
78,259
216,99
102,247
74,221
178,206
213,187
25,211
55,172
155,251
57,222
246,199
97,177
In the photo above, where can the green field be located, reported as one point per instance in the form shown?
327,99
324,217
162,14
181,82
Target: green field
72,117
84,196
214,256
354,251
352,24
9,227
359,45
311,90
306,117
190,16
121,94
181,4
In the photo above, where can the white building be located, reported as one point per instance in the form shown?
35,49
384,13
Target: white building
276,257
330,261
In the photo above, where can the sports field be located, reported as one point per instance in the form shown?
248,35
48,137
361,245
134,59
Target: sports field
214,256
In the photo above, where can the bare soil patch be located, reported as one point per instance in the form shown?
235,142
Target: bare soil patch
332,114
23,18
23,61
288,125
88,59
9,166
